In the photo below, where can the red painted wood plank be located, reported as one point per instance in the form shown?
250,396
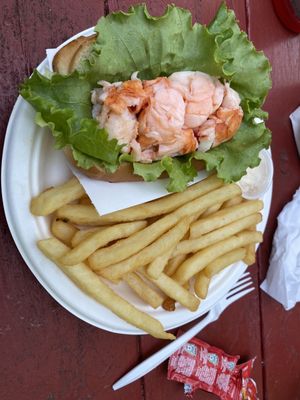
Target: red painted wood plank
203,11
12,65
280,329
47,353
48,24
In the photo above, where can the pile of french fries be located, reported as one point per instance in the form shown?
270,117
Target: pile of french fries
166,250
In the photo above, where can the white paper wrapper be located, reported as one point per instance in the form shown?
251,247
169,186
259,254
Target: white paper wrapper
108,197
283,277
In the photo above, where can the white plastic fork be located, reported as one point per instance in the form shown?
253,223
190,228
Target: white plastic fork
242,287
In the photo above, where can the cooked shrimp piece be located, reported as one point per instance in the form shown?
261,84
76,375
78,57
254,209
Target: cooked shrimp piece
223,124
206,135
130,94
161,122
202,93
145,156
164,115
114,108
122,127
184,142
167,116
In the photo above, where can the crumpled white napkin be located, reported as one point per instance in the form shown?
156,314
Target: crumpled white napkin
283,277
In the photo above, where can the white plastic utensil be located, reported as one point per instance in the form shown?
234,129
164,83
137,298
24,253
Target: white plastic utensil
243,286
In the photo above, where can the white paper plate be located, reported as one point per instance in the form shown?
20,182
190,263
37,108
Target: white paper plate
29,165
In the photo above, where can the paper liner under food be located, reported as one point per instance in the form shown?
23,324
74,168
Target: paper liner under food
108,197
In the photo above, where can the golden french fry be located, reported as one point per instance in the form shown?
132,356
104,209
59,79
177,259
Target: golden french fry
250,254
143,290
147,254
63,230
249,258
200,204
87,215
79,214
224,217
170,304
201,285
174,290
52,199
194,245
100,239
85,200
211,210
152,247
232,202
127,247
224,261
156,267
91,284
162,205
83,234
202,279
202,258
173,264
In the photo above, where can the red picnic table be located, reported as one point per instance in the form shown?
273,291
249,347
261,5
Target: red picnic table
46,352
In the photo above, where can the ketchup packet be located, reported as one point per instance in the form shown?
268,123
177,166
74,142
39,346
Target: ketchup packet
201,366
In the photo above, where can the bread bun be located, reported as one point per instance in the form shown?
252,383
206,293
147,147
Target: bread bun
66,60
123,174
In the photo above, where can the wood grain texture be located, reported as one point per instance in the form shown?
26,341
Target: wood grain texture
49,354
52,22
202,10
46,353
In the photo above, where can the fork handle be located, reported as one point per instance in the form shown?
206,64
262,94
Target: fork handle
157,358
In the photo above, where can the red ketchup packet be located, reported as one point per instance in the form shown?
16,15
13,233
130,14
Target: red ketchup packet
201,366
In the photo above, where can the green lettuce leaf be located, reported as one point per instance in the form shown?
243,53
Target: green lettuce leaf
64,105
247,69
232,158
86,161
156,46
149,172
180,170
